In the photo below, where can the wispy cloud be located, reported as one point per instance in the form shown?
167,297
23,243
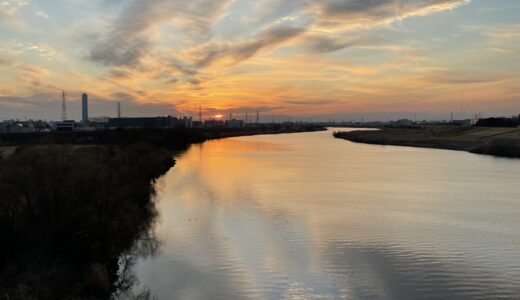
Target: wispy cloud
9,10
340,14
243,50
42,14
130,37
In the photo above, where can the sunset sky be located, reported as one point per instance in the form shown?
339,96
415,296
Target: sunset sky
321,59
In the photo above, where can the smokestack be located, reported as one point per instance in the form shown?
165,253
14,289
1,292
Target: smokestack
63,106
84,106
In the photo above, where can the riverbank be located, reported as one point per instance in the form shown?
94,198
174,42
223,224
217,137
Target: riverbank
73,205
67,215
504,142
165,137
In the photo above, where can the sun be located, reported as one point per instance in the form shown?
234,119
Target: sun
219,116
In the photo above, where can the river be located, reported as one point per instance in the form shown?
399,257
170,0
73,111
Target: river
307,216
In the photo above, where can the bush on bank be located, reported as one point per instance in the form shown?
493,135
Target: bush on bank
68,213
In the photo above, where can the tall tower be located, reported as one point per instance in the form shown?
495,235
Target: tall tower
247,117
63,106
462,106
200,113
119,109
84,108
257,117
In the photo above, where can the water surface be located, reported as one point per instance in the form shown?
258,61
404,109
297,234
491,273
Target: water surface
307,216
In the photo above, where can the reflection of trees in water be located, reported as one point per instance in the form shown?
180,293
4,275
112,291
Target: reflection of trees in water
70,214
145,246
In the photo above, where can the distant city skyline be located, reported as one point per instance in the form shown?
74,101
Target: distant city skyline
301,59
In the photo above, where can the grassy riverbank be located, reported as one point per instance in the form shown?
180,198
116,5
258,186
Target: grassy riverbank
503,142
73,205
67,214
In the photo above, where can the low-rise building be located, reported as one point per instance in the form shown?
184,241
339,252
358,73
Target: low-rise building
149,122
67,125
197,124
175,122
214,124
129,123
13,126
3,127
235,123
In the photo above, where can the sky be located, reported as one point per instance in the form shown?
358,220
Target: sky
298,59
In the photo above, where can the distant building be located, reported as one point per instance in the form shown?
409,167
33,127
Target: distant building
404,123
153,122
13,126
100,119
84,106
156,122
197,124
188,122
498,122
67,125
175,122
214,124
235,123
469,122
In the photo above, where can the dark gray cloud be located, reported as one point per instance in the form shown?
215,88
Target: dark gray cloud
324,44
182,68
244,50
375,10
119,51
119,74
128,38
173,81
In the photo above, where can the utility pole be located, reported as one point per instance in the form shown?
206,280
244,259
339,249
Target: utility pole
200,113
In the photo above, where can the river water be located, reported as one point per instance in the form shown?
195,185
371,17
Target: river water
307,216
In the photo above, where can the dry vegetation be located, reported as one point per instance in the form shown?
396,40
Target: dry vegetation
67,214
484,140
